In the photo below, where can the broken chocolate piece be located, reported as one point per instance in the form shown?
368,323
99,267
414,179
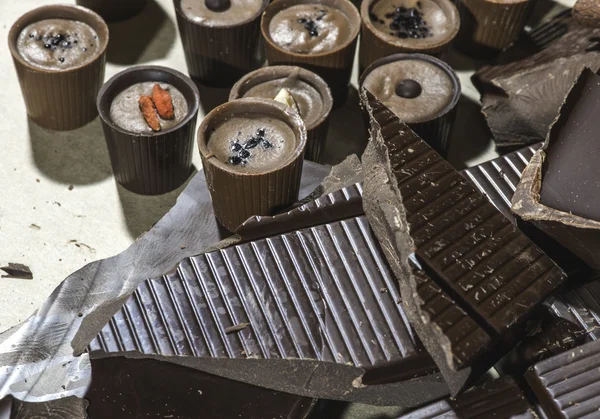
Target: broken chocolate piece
587,12
17,270
567,385
557,190
469,279
500,398
140,388
521,98
319,321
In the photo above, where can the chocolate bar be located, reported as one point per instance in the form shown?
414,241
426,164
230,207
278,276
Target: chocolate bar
500,398
558,191
320,308
567,385
139,388
469,279
521,98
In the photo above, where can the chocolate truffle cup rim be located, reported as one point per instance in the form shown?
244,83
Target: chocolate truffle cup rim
179,11
277,6
279,71
413,46
53,12
107,95
249,105
423,57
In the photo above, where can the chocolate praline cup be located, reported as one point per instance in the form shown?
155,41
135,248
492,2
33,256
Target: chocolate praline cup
562,203
60,99
375,44
150,164
218,56
334,66
237,196
316,132
489,26
436,131
114,10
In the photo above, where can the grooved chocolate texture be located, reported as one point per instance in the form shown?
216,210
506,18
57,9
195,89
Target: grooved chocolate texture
501,398
568,385
320,304
480,262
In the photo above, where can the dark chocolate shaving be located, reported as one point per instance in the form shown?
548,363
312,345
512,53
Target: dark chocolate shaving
236,328
17,270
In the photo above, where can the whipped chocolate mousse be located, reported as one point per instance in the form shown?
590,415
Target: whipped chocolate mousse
391,26
252,144
252,154
221,38
221,12
316,34
58,44
309,94
419,89
310,28
125,109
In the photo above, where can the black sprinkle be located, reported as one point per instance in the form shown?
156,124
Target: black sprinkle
61,59
242,150
235,160
236,146
244,154
407,22
251,143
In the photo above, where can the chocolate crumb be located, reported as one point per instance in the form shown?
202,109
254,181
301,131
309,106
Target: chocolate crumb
71,187
17,271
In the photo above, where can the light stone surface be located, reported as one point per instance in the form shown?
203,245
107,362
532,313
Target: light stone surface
98,218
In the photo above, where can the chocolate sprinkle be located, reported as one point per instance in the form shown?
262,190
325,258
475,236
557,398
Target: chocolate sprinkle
241,150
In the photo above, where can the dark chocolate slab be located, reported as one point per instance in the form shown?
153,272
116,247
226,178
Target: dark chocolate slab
323,310
141,388
568,385
557,190
521,98
469,278
501,398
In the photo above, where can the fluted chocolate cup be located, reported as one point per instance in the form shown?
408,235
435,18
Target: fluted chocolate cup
236,195
489,26
376,43
316,129
334,66
61,99
435,128
218,56
114,10
156,163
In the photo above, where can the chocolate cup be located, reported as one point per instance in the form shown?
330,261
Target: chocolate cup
436,131
316,133
489,26
114,10
374,44
150,164
334,66
238,196
218,56
60,99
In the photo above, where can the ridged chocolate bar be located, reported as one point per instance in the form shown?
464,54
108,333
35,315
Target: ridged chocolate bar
501,398
314,312
568,385
469,278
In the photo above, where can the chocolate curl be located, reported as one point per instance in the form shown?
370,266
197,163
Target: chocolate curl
587,12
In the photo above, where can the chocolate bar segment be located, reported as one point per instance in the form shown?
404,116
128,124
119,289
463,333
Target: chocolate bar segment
436,228
500,398
321,314
568,385
557,190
